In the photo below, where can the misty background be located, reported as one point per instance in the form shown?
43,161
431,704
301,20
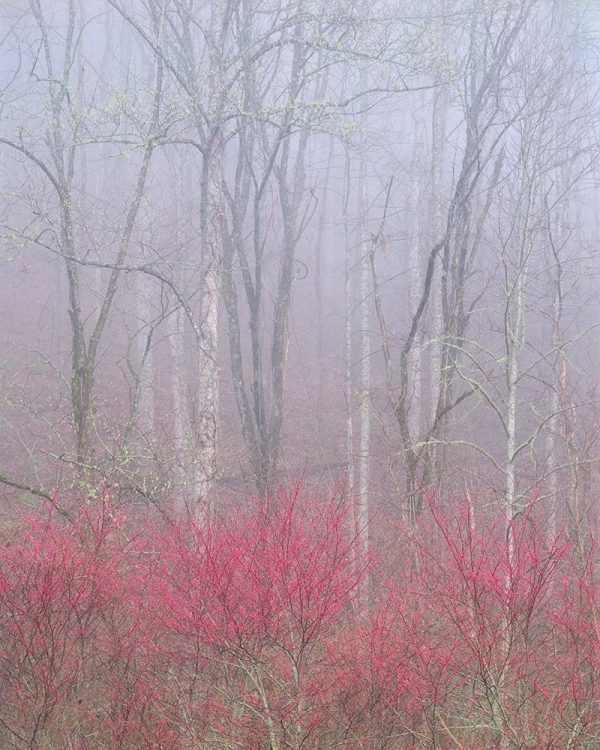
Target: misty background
249,241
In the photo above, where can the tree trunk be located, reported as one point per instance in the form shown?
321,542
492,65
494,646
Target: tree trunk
364,395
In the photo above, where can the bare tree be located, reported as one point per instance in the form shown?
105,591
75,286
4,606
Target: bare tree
57,224
485,66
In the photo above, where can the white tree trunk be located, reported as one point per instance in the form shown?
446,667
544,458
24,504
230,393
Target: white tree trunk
415,282
553,440
436,221
515,337
212,219
208,371
348,306
364,396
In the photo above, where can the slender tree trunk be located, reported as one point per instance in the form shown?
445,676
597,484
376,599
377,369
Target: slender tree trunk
146,374
364,395
554,444
348,348
415,283
436,229
181,441
515,337
291,185
319,270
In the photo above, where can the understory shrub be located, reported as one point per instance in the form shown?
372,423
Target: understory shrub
266,627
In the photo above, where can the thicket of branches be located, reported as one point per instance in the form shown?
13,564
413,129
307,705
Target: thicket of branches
267,628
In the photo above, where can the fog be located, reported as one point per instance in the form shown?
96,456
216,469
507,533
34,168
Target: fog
299,374
245,243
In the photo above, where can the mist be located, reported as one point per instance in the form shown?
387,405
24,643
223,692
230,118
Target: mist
348,248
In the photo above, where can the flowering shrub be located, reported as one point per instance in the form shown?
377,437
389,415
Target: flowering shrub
265,628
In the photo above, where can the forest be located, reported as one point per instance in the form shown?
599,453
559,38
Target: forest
299,374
